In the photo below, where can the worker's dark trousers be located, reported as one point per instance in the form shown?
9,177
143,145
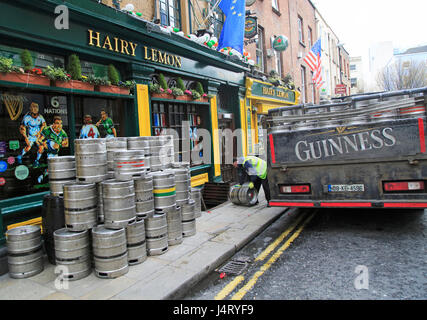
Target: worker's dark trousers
264,182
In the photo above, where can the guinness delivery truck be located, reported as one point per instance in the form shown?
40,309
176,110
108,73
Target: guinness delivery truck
366,151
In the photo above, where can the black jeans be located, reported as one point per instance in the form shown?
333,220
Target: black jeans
264,182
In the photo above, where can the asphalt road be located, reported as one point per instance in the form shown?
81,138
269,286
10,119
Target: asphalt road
337,255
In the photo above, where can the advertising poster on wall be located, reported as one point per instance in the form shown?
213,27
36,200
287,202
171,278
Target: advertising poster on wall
33,128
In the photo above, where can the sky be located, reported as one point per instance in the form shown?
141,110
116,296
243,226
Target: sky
358,23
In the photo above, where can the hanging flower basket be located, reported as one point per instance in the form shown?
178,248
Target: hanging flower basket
113,89
28,78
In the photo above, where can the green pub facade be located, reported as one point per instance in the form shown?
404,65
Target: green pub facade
41,120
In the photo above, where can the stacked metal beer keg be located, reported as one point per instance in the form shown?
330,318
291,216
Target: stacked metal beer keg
61,170
124,199
72,250
164,191
25,254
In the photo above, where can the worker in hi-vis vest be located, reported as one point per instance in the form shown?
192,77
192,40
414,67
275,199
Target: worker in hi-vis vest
253,169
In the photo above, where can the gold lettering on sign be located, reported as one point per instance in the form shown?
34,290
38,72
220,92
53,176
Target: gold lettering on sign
146,57
154,55
275,92
92,37
133,47
151,54
162,57
118,45
178,61
124,46
107,43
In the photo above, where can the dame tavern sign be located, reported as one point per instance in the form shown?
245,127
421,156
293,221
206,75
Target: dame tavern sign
128,48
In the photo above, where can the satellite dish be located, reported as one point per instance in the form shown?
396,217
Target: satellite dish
250,2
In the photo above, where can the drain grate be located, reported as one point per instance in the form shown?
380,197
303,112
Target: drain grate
234,267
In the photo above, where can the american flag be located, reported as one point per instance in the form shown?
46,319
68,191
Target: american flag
313,60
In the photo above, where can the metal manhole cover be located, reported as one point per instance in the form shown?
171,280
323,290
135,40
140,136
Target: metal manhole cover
234,267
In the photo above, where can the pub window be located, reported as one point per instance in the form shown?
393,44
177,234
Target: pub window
96,69
40,60
106,117
33,128
170,13
172,115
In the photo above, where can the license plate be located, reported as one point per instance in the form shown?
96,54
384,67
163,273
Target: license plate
346,188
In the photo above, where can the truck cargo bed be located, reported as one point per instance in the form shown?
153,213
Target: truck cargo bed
363,151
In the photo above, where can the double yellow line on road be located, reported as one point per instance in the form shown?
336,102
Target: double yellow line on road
262,256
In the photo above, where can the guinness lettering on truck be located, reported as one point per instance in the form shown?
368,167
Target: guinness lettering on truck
360,151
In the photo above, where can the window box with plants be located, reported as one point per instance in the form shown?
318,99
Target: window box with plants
158,92
58,77
112,84
27,74
179,91
74,70
161,89
104,85
197,94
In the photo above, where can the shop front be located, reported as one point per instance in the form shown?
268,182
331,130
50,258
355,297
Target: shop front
260,97
39,120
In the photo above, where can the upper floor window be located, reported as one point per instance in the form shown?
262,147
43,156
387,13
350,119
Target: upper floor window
275,4
300,30
170,13
260,50
310,37
218,21
353,82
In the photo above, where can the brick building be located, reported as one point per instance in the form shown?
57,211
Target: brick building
296,20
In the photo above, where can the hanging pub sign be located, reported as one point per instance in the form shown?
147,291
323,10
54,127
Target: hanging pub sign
251,27
280,43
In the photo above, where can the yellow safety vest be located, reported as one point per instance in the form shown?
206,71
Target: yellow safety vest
258,164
